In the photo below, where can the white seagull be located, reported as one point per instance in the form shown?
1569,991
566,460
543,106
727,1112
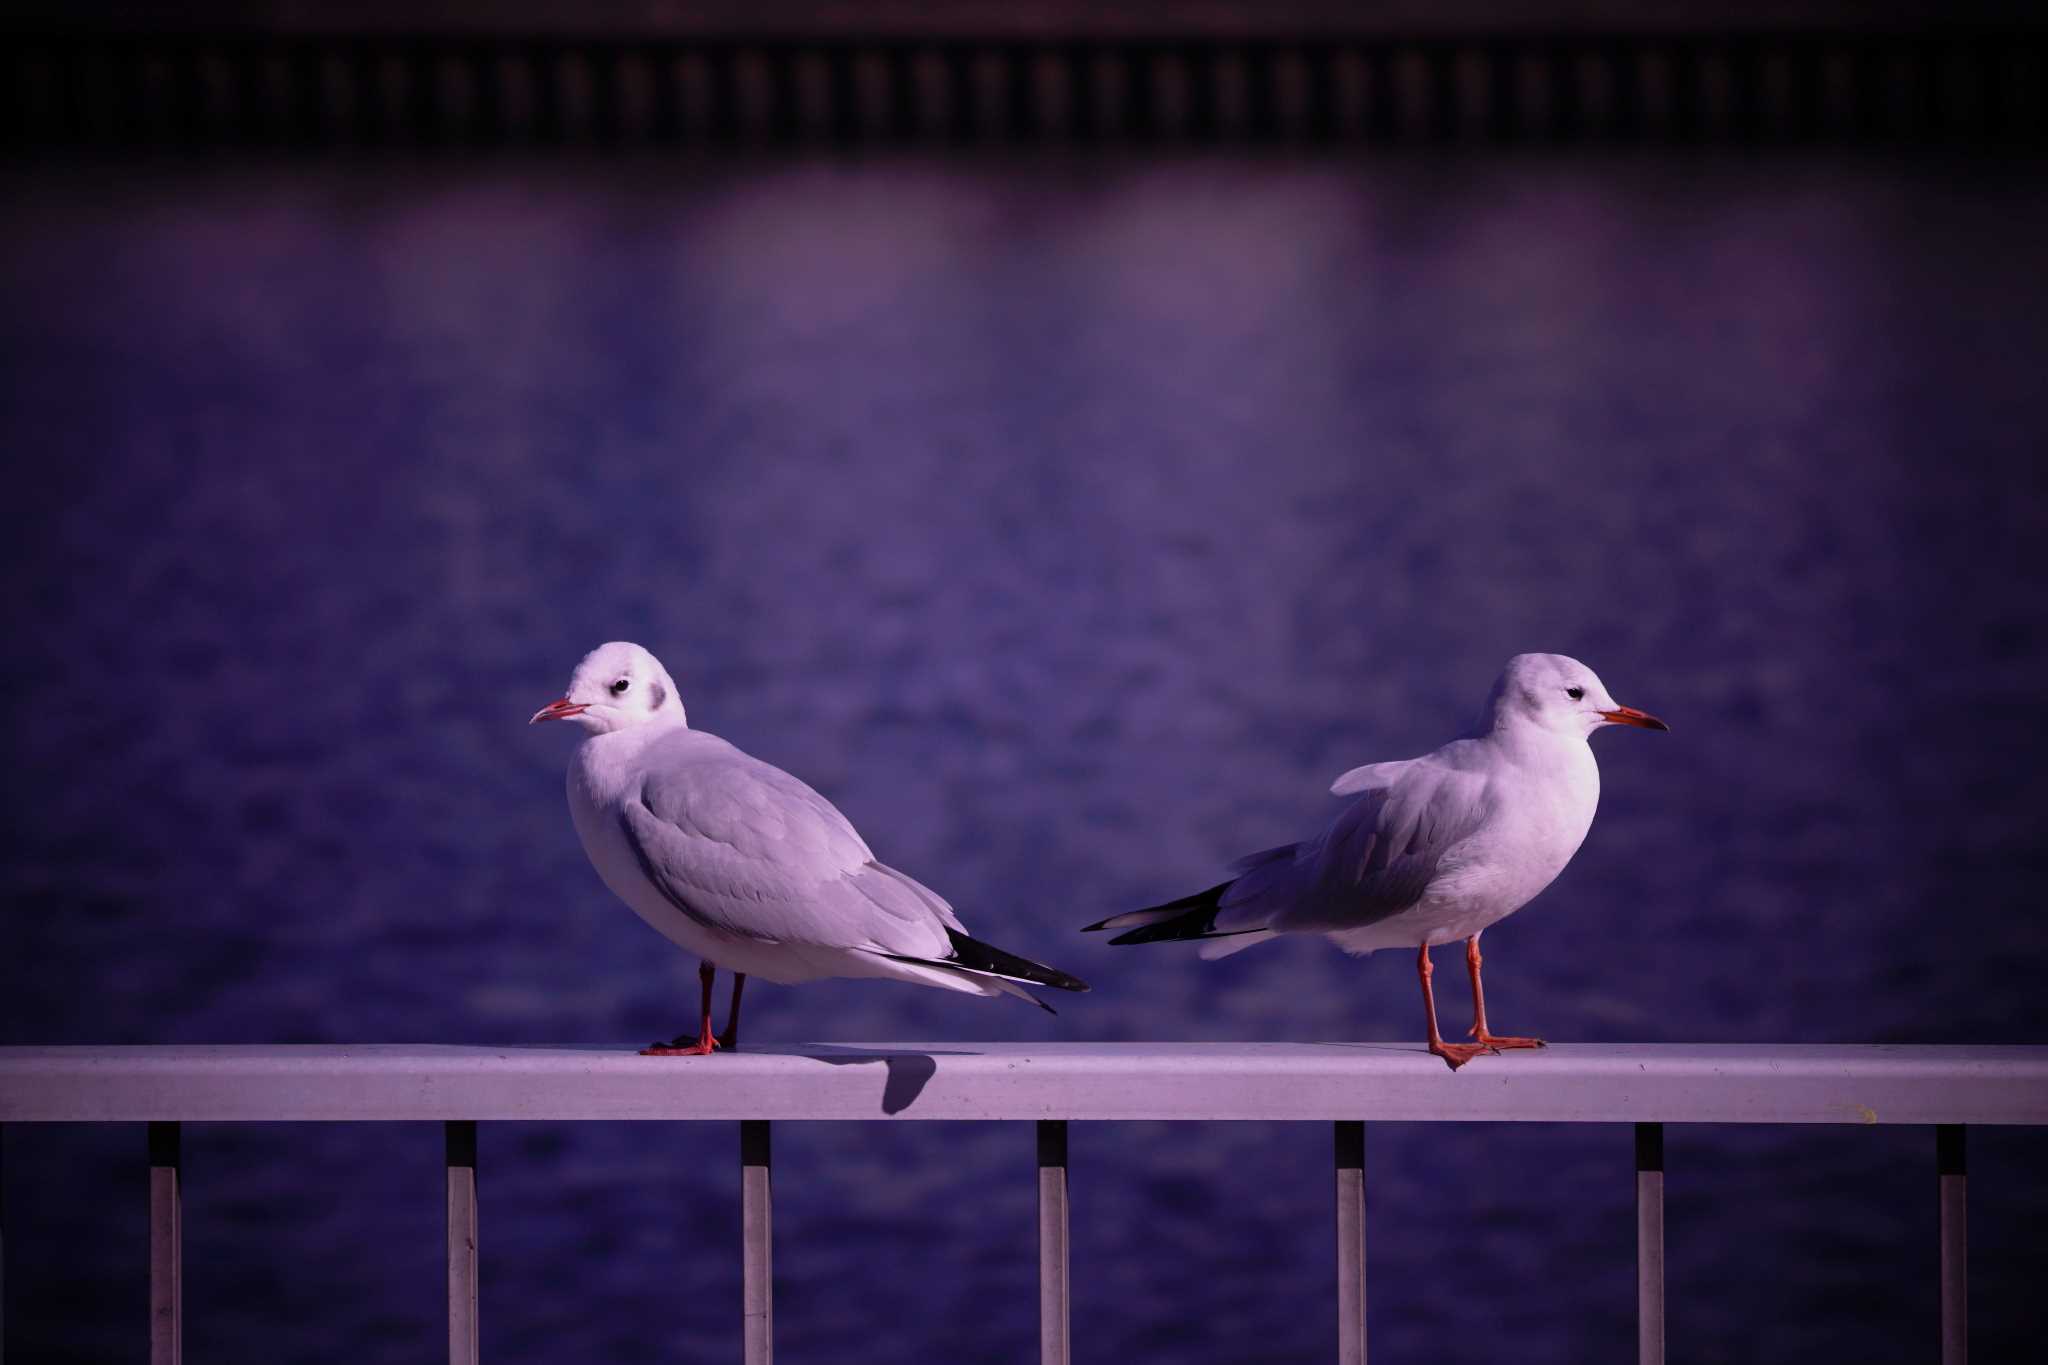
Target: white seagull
744,865
1434,849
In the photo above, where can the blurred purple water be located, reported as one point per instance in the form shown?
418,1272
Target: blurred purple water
1071,523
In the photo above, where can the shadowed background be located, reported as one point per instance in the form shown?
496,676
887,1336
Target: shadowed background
1070,519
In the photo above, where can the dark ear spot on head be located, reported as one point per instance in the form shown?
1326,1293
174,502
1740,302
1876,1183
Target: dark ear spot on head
660,695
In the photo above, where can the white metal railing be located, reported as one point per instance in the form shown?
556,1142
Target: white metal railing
1346,1084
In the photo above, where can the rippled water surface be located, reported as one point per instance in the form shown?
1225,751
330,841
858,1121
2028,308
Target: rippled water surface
1071,524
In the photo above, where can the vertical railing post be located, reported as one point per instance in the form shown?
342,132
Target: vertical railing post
1650,1243
462,1261
166,1251
1950,1163
1350,1242
1053,1312
757,1218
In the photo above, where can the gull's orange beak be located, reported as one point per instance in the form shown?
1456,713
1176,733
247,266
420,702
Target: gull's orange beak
560,709
1620,715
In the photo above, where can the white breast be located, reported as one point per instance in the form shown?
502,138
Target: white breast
1541,810
600,777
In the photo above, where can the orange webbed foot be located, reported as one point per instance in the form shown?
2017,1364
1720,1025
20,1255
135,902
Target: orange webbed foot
703,1046
1456,1055
1498,1043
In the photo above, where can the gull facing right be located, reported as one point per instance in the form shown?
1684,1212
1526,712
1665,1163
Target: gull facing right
1435,848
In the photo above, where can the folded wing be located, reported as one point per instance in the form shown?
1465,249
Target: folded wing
1381,853
741,846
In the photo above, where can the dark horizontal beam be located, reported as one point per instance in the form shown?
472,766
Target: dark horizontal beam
444,89
1005,20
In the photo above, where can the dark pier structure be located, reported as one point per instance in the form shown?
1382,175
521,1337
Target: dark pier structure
460,73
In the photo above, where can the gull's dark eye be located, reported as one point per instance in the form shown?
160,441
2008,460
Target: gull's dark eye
619,687
1575,693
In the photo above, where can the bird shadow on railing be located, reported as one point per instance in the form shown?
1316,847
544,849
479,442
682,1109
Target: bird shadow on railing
908,1071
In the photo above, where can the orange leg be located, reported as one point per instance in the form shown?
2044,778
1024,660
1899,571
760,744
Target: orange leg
729,1040
1455,1054
1479,1029
676,1047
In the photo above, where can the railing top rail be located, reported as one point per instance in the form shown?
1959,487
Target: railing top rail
1587,1083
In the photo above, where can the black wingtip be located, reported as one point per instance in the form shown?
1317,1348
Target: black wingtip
1166,931
972,952
976,956
1098,925
1189,917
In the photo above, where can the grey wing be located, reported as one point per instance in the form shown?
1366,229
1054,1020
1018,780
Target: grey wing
743,847
1381,853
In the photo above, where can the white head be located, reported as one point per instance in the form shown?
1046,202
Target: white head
1559,694
616,687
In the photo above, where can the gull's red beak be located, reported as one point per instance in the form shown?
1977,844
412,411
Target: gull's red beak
559,709
1620,715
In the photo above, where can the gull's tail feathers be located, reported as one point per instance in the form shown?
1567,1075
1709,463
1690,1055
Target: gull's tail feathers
1189,917
1194,917
986,962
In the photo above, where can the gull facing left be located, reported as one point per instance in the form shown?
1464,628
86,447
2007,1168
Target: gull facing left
744,865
